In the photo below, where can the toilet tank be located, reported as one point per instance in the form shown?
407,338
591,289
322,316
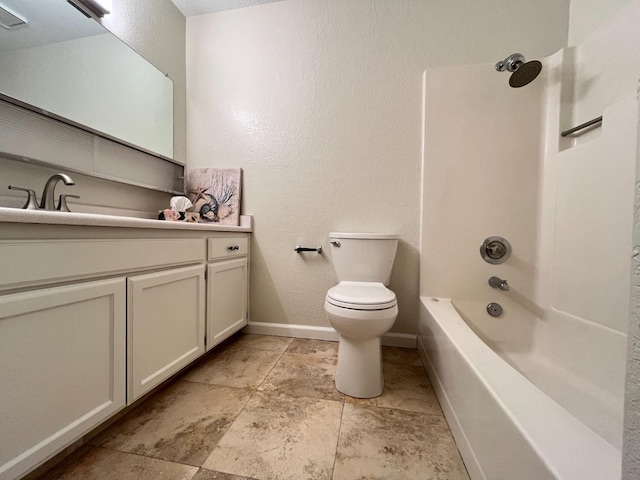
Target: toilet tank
363,257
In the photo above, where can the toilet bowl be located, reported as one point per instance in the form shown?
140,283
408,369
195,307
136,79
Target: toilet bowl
361,309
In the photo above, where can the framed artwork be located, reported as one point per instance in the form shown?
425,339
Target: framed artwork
215,194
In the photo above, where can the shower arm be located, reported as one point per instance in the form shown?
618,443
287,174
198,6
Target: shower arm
511,63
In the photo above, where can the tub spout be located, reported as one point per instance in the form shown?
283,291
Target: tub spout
497,282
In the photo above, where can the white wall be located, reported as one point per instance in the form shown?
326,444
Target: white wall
586,16
320,103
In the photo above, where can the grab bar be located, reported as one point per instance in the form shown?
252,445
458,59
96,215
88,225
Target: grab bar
299,249
583,126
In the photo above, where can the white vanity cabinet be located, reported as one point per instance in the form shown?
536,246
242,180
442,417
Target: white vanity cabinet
78,321
62,368
227,287
91,319
166,325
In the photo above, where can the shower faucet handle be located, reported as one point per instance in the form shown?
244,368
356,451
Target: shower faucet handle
495,250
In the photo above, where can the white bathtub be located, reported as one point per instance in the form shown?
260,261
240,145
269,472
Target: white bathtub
506,428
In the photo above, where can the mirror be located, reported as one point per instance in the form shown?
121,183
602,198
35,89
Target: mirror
70,67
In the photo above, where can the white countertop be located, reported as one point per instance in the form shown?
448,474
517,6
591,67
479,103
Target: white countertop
17,215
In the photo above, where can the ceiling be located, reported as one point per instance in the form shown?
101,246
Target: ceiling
199,7
47,22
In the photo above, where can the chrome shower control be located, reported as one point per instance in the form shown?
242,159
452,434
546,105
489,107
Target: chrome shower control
495,250
494,309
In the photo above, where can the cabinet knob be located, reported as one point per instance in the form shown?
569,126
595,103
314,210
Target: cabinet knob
233,248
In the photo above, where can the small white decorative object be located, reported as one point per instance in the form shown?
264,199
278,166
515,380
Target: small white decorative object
215,194
180,204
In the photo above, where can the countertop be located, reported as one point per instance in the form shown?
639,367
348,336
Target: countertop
17,215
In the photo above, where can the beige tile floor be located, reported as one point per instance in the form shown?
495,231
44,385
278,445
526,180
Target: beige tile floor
262,407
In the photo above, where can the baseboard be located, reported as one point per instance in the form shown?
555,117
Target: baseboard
291,330
403,340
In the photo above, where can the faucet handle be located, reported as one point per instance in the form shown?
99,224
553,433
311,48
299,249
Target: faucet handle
62,202
32,201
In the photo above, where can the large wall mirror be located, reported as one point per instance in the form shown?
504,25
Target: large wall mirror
66,65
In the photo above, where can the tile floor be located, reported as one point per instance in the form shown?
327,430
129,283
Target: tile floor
262,407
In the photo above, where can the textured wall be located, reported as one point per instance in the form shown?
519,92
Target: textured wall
631,441
631,446
320,103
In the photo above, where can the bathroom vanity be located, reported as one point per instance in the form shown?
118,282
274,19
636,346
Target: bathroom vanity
96,311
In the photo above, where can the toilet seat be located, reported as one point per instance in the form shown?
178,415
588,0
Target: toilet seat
361,296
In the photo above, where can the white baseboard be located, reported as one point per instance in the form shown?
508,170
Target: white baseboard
290,330
403,340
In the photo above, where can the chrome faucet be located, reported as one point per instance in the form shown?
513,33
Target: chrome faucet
48,195
497,282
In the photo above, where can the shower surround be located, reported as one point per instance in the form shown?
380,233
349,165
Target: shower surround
494,156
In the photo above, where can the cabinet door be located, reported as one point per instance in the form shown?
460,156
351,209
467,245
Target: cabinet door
62,368
165,325
226,299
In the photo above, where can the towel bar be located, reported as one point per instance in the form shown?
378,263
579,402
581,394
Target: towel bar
583,126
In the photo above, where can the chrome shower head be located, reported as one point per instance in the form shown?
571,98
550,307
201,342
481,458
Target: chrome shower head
522,73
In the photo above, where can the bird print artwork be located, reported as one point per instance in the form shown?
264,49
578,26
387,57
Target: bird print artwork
215,194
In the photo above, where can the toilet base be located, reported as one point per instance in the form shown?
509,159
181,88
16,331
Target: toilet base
359,371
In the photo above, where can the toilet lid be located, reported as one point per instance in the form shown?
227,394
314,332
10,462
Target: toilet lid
361,296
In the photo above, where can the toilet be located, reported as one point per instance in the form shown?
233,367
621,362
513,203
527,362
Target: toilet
361,308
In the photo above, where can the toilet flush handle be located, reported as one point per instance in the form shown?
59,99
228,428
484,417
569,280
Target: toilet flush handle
335,243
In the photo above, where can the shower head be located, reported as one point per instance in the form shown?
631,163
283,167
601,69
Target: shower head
521,73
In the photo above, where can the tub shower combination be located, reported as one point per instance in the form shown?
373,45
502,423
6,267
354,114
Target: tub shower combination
514,411
502,421
526,346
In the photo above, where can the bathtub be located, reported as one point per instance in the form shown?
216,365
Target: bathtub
507,428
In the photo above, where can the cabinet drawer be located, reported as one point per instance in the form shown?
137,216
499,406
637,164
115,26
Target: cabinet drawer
29,263
225,247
